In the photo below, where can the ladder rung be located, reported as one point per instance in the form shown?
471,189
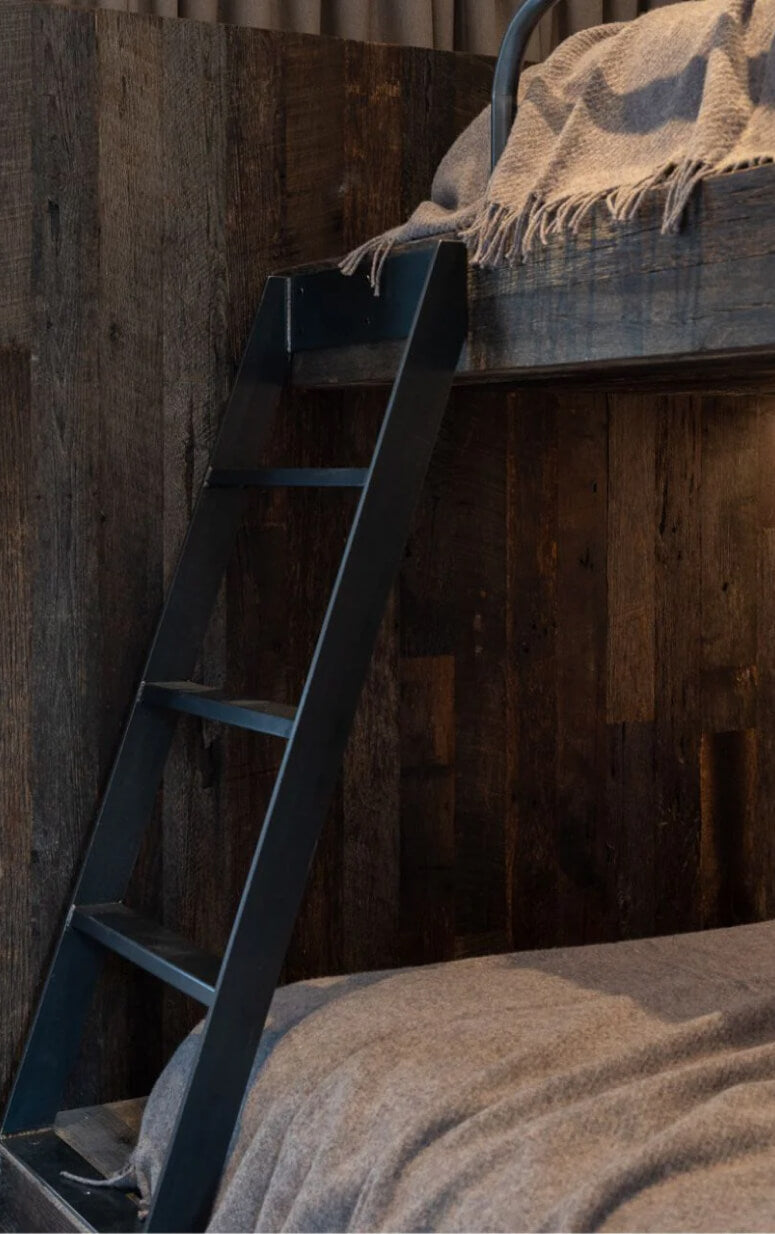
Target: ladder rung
151,947
289,477
256,714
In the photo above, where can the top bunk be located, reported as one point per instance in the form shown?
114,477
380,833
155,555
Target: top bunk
620,302
136,143
635,298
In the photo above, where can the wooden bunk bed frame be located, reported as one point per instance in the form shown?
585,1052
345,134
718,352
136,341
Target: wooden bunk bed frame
610,305
616,304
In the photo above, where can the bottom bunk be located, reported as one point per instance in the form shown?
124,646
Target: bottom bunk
623,1086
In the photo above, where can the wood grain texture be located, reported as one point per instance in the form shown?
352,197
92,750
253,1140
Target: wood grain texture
371,778
532,624
581,659
618,297
15,174
102,1134
614,291
677,723
631,560
16,737
129,485
65,678
153,173
197,370
568,730
473,454
765,704
428,856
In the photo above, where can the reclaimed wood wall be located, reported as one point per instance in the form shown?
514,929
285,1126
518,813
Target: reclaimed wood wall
151,174
568,729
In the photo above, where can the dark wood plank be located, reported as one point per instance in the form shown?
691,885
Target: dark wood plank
427,808
16,738
130,478
718,372
730,487
64,682
428,674
630,560
15,173
619,291
371,804
315,187
619,295
764,856
585,868
730,555
678,663
197,370
104,1135
728,894
374,140
625,845
474,512
630,828
763,859
533,615
371,778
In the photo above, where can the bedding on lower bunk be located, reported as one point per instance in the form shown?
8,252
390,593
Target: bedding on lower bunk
628,1086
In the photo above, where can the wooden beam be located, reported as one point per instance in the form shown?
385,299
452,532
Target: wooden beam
617,299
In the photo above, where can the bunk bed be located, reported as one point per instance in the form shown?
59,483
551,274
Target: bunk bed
617,303
607,306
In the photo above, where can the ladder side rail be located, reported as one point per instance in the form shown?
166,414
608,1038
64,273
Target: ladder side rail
305,783
53,1040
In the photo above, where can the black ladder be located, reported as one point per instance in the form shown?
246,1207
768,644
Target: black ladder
423,300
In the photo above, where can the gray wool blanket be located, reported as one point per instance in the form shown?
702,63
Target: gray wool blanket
616,114
620,1087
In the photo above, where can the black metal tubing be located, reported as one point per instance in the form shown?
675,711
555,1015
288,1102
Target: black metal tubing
276,719
151,947
508,67
289,477
307,776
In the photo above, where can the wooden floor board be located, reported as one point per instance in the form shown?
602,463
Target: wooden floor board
104,1135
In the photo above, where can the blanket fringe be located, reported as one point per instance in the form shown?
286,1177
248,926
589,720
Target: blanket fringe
125,1179
502,235
379,249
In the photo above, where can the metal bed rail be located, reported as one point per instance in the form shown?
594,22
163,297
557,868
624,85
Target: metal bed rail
508,69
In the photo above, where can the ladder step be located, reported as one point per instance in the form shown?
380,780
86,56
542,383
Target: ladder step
151,947
256,714
289,477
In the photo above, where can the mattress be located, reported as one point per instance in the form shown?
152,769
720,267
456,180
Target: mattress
621,1087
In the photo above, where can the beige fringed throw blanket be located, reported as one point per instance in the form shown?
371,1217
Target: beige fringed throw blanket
615,114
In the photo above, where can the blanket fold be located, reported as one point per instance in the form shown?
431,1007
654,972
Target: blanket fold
614,1087
616,114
